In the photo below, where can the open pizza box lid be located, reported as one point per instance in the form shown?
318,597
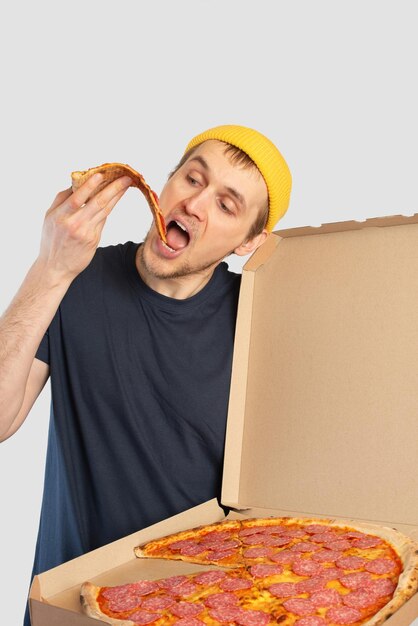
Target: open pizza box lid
323,414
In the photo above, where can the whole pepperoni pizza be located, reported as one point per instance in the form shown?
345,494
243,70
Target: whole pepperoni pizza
294,572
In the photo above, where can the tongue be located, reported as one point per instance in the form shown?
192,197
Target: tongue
177,238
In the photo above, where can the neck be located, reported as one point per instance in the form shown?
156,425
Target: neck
179,287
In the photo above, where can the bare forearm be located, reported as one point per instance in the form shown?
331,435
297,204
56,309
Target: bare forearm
22,327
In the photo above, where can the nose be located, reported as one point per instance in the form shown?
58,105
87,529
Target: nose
197,204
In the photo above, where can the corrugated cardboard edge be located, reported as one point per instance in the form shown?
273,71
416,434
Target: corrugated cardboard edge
236,409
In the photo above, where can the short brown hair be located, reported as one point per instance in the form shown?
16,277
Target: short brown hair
240,158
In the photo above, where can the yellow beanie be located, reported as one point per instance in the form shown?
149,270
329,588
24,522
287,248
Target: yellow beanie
267,158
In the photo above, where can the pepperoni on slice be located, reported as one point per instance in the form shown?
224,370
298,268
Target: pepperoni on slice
124,603
217,536
189,621
381,566
183,543
325,598
350,562
193,550
209,578
382,587
330,573
339,544
284,590
327,556
306,567
278,542
185,589
343,615
235,584
157,603
172,581
218,555
295,532
360,599
314,529
368,541
304,546
144,617
263,569
248,617
187,609
353,534
274,530
299,606
311,620
225,614
254,539
310,585
324,536
245,532
356,580
216,600
254,553
284,556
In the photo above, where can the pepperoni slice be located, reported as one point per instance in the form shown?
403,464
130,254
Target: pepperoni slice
209,578
218,555
172,581
144,617
351,562
235,584
248,617
255,539
187,609
327,556
306,567
299,606
367,542
304,546
185,589
216,600
330,573
314,529
140,588
183,543
255,553
189,621
274,530
157,603
339,544
324,536
360,599
193,550
216,536
311,620
263,569
382,587
245,532
225,614
272,540
284,590
353,534
310,585
295,532
124,603
343,615
356,580
325,598
381,566
284,556
228,544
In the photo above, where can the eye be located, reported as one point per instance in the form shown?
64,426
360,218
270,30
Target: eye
192,180
225,208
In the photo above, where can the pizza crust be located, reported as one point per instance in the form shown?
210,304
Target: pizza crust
88,599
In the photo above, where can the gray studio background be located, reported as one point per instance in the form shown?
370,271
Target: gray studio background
332,83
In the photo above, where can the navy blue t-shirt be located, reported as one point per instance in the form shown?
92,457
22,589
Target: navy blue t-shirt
140,387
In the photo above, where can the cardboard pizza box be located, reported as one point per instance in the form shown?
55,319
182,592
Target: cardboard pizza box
323,409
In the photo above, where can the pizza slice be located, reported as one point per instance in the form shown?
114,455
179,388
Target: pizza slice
111,172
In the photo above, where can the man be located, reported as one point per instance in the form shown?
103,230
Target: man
137,340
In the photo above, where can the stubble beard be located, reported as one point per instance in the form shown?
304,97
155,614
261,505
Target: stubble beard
185,269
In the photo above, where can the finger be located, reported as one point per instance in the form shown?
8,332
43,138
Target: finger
99,204
60,198
83,193
102,215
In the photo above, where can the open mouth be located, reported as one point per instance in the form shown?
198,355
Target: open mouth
178,237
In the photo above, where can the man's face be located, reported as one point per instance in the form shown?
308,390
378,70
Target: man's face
209,205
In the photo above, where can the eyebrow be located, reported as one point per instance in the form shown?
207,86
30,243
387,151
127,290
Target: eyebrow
231,190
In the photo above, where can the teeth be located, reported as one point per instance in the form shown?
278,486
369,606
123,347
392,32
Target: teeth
181,226
168,247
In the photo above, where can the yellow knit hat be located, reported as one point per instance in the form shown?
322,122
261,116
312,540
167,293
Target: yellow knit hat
267,158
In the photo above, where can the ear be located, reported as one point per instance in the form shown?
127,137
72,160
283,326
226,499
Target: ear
252,244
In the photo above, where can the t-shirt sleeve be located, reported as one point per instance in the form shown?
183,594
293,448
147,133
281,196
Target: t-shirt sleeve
43,351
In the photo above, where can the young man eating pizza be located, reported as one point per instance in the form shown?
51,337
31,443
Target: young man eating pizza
137,340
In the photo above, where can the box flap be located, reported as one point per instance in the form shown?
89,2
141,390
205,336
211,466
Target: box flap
323,414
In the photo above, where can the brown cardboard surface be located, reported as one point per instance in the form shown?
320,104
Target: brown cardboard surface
329,377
